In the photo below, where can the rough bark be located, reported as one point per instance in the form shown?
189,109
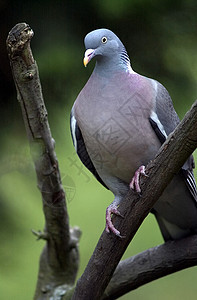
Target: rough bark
59,259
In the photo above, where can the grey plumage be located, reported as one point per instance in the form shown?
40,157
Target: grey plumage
119,121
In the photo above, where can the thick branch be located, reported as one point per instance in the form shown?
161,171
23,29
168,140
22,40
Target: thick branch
150,265
109,250
59,260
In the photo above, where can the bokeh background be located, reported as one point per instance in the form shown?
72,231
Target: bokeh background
161,39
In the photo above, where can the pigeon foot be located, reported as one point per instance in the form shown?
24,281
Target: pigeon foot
135,182
112,209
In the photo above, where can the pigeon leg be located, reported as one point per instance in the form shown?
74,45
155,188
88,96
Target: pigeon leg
135,182
112,209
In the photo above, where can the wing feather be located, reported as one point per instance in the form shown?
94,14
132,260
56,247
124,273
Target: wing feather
80,148
164,120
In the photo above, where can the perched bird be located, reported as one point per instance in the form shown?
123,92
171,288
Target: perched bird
118,122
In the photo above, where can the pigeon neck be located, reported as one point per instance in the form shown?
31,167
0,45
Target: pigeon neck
125,58
119,62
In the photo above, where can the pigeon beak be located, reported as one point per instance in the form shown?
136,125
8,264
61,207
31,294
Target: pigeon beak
88,56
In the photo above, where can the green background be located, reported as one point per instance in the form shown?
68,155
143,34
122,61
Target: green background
161,39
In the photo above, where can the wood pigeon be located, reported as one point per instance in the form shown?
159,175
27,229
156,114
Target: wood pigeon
118,122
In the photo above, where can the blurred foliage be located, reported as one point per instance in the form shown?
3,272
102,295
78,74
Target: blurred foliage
160,37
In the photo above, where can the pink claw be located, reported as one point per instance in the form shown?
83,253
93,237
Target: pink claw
112,209
135,182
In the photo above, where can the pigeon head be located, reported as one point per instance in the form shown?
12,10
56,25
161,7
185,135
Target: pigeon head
107,49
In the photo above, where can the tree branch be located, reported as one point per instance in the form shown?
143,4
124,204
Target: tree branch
110,248
152,264
59,260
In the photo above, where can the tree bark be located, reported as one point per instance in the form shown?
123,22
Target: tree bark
151,264
59,259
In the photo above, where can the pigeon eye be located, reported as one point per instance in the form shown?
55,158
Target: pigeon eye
104,40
